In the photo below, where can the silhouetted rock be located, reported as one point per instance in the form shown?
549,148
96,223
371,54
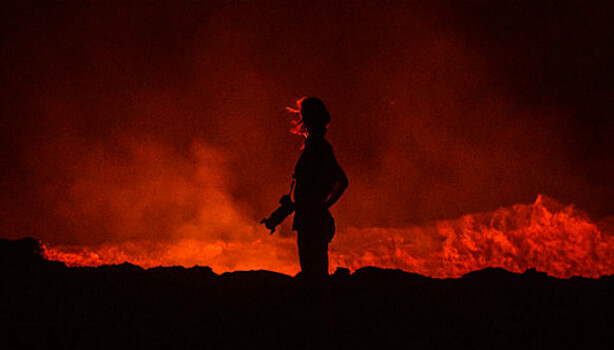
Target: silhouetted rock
341,272
23,252
47,305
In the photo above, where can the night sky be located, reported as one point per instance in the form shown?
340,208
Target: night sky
125,120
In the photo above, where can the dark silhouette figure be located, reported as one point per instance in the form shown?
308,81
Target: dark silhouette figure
318,183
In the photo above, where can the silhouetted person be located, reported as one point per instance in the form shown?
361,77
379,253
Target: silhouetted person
319,182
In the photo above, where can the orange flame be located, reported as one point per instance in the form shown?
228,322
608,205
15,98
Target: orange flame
545,235
554,238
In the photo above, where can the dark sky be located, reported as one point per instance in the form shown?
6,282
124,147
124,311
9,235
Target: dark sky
126,119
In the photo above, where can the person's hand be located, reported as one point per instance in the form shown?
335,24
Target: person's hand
267,224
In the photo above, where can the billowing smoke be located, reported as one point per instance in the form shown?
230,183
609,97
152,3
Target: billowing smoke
156,133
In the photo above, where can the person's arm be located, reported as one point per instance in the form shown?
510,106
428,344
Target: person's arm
341,183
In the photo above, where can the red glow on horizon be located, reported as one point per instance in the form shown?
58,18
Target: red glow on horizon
546,235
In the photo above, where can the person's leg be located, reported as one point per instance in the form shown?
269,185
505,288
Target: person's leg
305,253
313,254
321,258
319,318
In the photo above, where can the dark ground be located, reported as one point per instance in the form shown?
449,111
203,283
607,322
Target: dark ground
47,305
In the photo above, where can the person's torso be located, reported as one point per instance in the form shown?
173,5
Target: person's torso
315,175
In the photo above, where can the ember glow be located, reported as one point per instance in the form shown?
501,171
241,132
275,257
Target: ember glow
546,235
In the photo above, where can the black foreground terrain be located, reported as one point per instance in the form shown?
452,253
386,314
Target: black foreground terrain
46,305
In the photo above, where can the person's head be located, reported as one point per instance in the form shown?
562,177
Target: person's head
313,117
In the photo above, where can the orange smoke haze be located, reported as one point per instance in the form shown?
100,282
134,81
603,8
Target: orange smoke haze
546,235
155,132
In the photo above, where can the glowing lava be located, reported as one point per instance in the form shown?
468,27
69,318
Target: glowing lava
554,238
545,235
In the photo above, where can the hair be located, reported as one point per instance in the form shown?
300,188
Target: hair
313,116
